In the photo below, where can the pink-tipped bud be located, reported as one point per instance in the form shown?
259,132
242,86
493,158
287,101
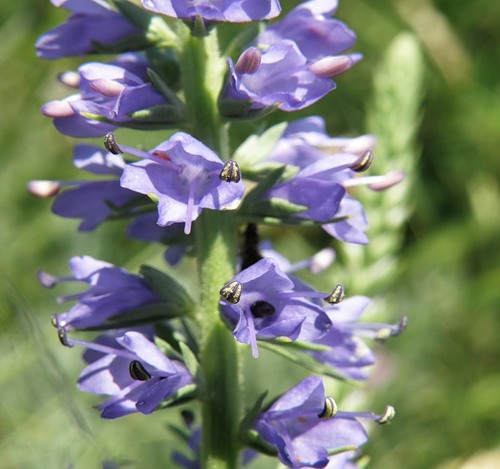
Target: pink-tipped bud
330,67
57,109
387,180
249,61
69,78
44,189
108,88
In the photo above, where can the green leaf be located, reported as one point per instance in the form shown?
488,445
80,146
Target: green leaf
169,290
191,362
137,317
249,419
161,114
256,148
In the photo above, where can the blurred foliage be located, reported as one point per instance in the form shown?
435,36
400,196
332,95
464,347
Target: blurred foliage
441,375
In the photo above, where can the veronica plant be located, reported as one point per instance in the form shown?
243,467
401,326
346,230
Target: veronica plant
200,194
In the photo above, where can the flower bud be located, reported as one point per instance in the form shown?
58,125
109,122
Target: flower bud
108,88
249,61
330,67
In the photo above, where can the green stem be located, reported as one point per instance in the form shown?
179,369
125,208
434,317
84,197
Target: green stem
216,247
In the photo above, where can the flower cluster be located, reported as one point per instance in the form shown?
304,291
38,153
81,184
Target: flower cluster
197,194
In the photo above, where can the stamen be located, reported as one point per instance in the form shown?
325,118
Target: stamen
189,208
392,329
337,295
63,338
231,292
111,145
363,162
376,183
387,416
230,172
252,334
138,372
330,409
46,280
261,309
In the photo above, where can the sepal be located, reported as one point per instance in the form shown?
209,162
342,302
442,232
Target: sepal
174,295
256,148
275,208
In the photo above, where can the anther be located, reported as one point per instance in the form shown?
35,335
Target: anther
111,145
261,309
138,372
46,280
63,338
231,292
330,409
337,295
387,416
363,162
230,172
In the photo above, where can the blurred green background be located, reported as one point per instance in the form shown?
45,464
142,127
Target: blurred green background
442,375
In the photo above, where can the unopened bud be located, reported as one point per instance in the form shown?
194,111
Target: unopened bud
57,109
44,189
330,67
249,61
109,88
69,78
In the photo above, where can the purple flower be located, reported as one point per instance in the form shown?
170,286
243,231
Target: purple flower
112,290
185,177
278,76
347,353
111,91
132,370
310,27
91,22
268,305
303,439
234,11
93,201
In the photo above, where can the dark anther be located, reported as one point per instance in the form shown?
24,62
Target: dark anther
250,253
336,296
138,372
63,338
111,145
230,172
387,416
261,309
363,162
330,409
231,292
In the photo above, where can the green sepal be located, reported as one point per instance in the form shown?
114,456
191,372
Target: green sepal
275,208
256,442
191,363
181,433
299,345
249,419
135,42
256,148
241,109
169,290
166,114
262,187
162,87
168,344
183,395
342,449
289,221
137,125
154,26
137,317
304,360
